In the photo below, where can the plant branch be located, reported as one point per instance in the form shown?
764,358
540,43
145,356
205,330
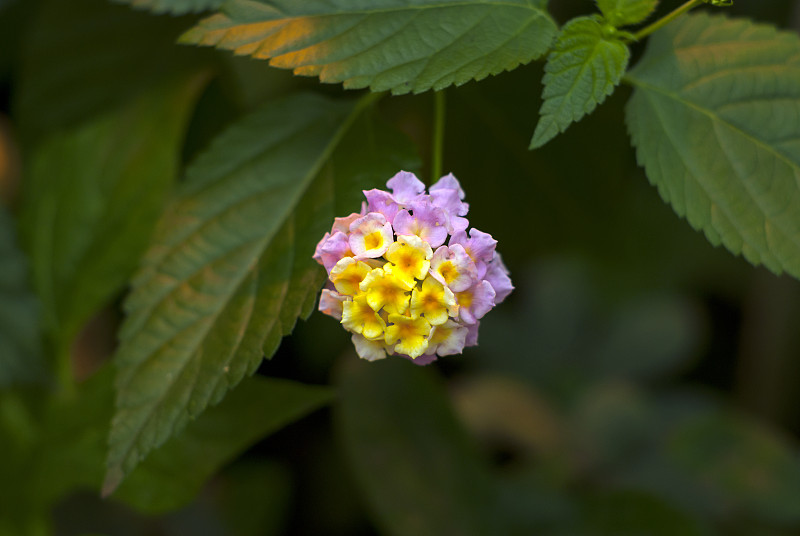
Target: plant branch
438,135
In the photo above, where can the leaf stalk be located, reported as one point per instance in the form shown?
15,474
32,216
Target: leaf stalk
666,19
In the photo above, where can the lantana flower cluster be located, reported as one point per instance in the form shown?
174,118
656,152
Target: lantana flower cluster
405,276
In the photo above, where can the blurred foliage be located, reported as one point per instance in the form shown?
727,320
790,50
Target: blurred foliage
638,382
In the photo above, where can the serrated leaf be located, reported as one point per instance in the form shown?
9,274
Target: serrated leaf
625,12
396,45
20,338
175,473
584,67
91,198
230,269
416,466
175,7
714,122
85,57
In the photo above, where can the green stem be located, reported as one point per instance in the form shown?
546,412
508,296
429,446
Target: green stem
438,135
666,19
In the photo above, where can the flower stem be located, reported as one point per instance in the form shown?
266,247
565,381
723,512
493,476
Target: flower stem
438,135
666,19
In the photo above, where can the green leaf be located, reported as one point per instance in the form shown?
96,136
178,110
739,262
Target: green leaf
91,198
230,268
85,57
624,12
713,119
586,64
416,466
173,475
397,45
20,338
175,7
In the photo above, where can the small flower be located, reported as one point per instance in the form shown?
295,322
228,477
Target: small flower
434,301
409,334
447,339
348,274
475,302
409,259
427,222
386,291
405,276
406,187
359,317
330,303
370,236
452,266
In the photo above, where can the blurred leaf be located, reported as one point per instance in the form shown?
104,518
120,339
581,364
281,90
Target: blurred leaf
415,465
563,337
91,198
647,337
586,64
713,118
632,513
396,45
173,474
20,338
750,469
611,424
175,7
230,270
624,12
84,57
504,409
270,483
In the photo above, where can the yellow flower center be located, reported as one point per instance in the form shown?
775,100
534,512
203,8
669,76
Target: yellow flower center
464,298
374,240
448,271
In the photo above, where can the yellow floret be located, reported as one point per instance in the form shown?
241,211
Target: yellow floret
435,301
409,258
387,291
409,334
348,274
358,317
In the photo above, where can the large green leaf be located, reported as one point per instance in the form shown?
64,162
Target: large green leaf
84,57
714,121
91,198
416,466
230,269
397,45
174,474
586,64
20,338
176,7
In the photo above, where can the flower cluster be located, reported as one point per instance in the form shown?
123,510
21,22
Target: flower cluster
405,277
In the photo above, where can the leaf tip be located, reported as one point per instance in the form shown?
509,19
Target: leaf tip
112,480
